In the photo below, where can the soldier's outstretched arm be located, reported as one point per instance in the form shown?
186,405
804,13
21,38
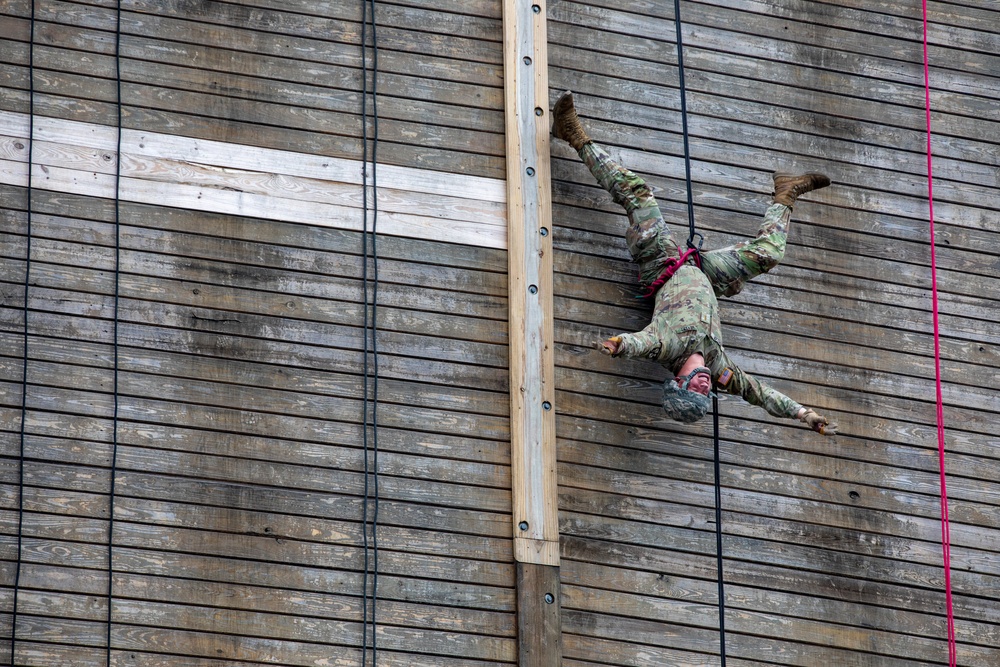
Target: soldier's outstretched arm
645,344
757,393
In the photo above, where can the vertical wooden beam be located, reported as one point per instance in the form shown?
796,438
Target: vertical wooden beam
539,622
532,366
529,247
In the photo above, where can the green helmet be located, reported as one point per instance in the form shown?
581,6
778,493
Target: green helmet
680,403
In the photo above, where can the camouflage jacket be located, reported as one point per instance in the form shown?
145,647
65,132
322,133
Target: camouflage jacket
686,321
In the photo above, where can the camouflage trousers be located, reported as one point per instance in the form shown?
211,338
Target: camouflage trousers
650,243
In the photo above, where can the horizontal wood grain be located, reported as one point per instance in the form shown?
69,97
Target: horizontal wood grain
802,86
239,338
256,190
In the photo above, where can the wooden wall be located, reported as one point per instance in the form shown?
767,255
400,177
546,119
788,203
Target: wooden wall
239,479
832,546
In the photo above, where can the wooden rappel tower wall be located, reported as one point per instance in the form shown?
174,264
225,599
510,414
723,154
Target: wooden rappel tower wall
183,346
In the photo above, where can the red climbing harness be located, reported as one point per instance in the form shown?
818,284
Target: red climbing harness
670,268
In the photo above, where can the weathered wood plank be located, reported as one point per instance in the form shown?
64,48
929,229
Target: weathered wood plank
318,578
92,435
584,647
69,144
274,17
743,311
600,619
815,556
249,627
698,572
862,613
737,523
234,647
850,30
240,188
142,487
416,484
343,486
278,132
285,405
815,503
322,86
276,377
329,62
238,288
979,21
267,243
250,598
305,529
156,540
450,131
918,476
443,567
45,573
867,476
911,448
470,37
641,636
261,326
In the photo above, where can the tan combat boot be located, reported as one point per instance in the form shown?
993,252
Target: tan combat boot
565,123
789,187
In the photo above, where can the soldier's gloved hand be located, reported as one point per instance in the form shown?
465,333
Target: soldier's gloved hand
818,422
610,346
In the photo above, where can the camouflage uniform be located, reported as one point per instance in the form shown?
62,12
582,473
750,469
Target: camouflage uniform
686,311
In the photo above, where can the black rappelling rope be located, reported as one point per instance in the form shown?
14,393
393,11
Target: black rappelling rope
715,401
24,366
718,536
370,306
114,345
24,371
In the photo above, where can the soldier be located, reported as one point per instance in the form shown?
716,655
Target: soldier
685,334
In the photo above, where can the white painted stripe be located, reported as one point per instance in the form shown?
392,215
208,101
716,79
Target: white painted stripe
197,174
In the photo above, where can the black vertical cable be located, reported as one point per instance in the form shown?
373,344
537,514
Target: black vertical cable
370,305
715,401
718,536
24,366
114,346
684,124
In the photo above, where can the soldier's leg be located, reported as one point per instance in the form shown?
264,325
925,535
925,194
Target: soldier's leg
627,189
730,268
648,237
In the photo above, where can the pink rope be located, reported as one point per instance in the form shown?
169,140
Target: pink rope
945,533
